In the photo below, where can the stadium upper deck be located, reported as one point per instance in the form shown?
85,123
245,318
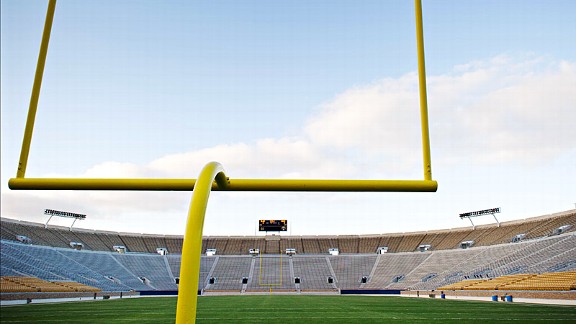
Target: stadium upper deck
482,235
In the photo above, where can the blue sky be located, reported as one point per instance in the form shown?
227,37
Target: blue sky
293,89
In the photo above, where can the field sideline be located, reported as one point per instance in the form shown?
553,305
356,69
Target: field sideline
290,309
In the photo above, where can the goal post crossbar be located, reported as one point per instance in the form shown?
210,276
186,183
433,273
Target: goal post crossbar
233,185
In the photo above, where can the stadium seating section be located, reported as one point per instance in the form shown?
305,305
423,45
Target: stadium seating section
545,281
542,260
31,284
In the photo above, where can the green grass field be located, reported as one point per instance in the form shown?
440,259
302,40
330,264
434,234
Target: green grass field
290,309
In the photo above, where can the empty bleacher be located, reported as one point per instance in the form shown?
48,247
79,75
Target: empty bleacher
134,243
235,246
349,269
410,242
271,273
229,273
545,227
252,243
174,244
291,243
152,242
313,273
51,258
482,235
54,264
392,268
348,244
545,281
152,270
272,247
311,246
31,284
325,243
559,281
393,242
425,274
111,271
368,244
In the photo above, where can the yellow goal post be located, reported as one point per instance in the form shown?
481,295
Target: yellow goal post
212,176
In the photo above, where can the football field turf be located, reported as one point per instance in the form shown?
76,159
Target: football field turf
290,309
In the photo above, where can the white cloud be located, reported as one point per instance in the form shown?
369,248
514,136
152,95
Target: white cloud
112,169
499,110
277,158
504,111
381,115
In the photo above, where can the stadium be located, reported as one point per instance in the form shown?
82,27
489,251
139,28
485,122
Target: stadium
139,96
527,260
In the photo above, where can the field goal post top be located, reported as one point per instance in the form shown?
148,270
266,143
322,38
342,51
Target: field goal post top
222,183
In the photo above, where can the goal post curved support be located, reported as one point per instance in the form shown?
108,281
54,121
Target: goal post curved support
192,247
212,177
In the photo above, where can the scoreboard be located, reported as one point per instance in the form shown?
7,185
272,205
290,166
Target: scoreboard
267,225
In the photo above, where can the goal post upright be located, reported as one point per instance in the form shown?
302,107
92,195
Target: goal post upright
426,156
35,96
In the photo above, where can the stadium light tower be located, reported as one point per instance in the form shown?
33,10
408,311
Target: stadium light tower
491,211
58,213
